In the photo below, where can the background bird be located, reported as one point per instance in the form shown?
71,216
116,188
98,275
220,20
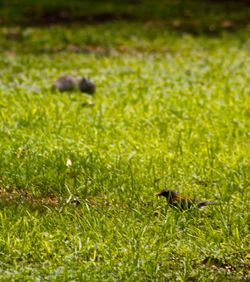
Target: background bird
67,83
182,202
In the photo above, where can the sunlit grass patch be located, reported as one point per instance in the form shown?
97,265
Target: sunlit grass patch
171,110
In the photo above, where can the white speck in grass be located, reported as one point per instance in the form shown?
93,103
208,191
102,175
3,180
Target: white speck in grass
68,163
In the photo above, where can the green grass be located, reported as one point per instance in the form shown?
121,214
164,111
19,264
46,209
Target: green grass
171,110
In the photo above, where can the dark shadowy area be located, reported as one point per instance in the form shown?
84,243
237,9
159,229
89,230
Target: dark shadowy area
47,26
47,17
193,17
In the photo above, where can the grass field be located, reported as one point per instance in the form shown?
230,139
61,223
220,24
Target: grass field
79,173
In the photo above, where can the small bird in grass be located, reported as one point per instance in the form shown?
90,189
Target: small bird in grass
182,202
67,83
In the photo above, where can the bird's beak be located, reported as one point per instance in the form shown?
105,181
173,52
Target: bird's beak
158,194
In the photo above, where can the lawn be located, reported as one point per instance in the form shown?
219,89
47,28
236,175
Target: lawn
79,173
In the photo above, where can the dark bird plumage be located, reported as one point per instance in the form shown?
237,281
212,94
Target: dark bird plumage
87,86
182,202
67,83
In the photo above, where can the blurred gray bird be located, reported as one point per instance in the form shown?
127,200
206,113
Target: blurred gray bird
67,83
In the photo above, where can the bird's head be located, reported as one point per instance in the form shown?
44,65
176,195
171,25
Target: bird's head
169,194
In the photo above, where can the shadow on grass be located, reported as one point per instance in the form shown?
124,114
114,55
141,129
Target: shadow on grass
192,17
